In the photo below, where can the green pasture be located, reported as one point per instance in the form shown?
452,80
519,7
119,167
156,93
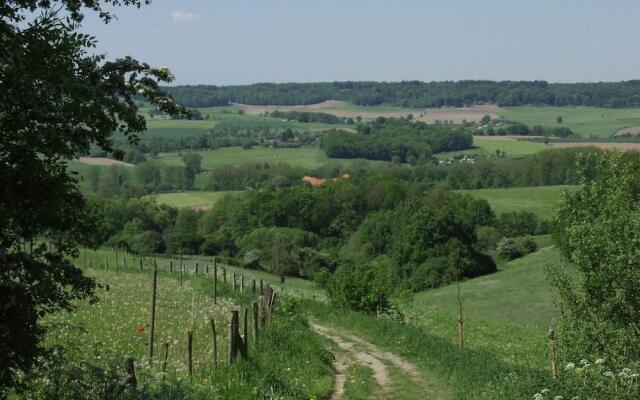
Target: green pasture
512,148
305,157
541,200
191,198
584,121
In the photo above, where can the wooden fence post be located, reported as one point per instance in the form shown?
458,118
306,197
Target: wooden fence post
215,284
90,266
130,380
253,286
153,310
241,283
224,275
261,288
140,263
234,281
460,329
215,343
233,325
181,267
171,266
255,321
190,353
196,268
552,353
245,332
165,357
263,312
106,264
206,266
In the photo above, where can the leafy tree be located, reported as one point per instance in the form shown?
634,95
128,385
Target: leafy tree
559,119
597,232
278,249
192,162
57,99
518,223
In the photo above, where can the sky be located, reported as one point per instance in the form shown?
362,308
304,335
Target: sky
225,42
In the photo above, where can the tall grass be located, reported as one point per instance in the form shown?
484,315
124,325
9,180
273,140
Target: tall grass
86,348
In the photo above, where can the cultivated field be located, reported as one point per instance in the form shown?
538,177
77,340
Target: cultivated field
102,161
541,200
337,108
349,110
459,114
600,145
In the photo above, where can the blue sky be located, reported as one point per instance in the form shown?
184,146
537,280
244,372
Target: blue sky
248,41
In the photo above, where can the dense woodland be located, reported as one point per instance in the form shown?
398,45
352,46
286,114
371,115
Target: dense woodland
398,140
415,93
305,231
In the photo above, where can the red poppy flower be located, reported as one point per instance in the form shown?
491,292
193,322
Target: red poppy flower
140,329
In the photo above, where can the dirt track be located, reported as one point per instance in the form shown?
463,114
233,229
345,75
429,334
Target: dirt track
377,360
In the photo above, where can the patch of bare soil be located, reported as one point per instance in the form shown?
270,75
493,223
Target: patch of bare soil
459,114
328,107
633,131
103,161
600,145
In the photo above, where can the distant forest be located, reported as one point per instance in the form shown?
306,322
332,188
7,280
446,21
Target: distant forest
415,93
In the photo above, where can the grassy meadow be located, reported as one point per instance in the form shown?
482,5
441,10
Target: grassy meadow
506,317
512,148
304,157
541,200
195,199
289,362
584,121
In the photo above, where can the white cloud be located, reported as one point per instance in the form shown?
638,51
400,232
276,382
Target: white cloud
184,16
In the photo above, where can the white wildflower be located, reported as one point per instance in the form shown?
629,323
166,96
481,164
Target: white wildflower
538,396
558,398
569,366
609,374
600,361
545,391
584,361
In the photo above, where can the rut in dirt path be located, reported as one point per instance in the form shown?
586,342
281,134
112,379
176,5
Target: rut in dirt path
373,357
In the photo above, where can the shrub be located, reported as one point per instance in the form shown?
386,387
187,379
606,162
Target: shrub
508,249
528,245
364,286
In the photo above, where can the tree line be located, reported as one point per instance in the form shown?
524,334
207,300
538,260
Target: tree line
306,117
415,93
